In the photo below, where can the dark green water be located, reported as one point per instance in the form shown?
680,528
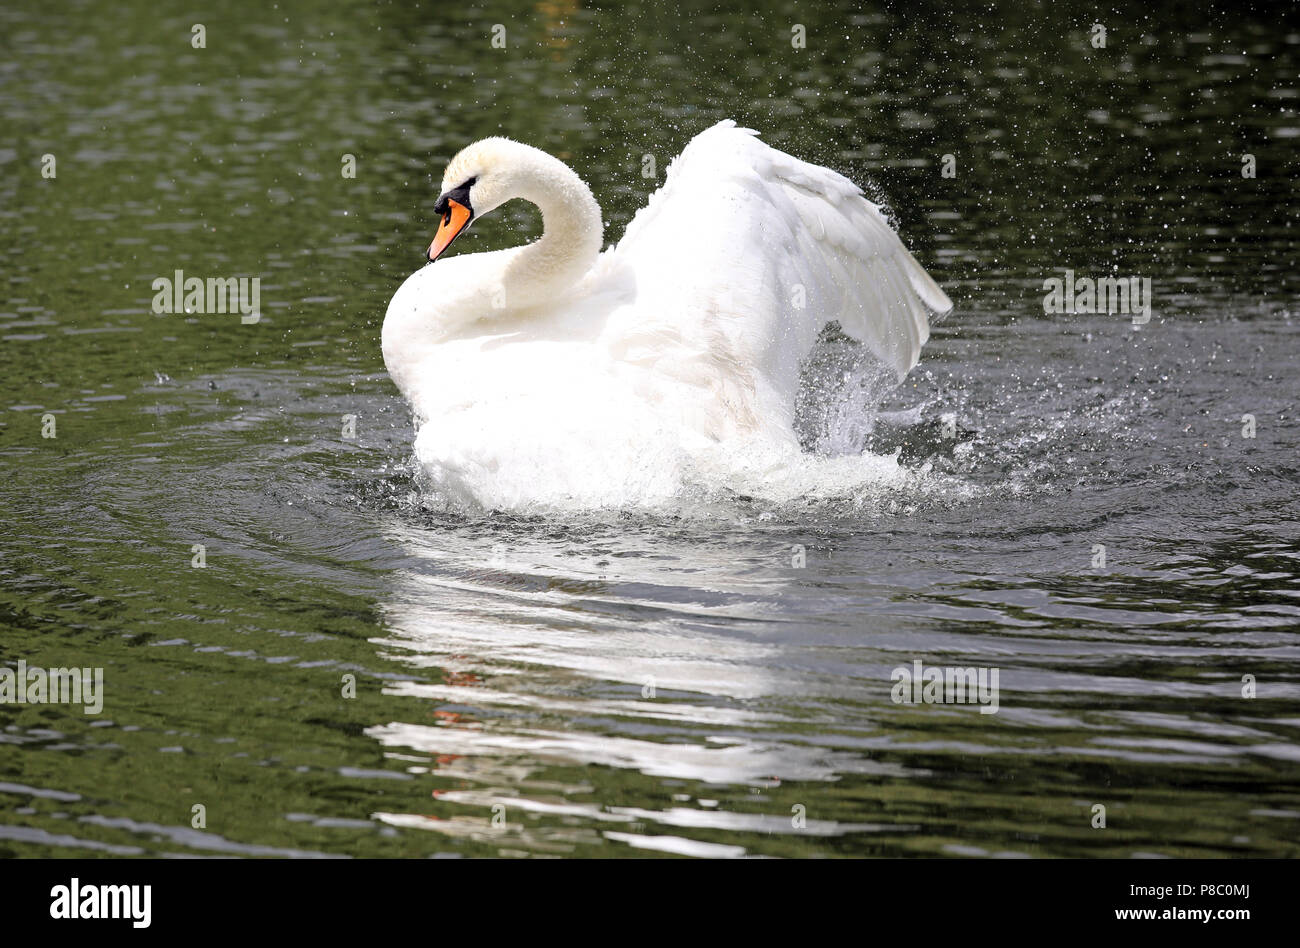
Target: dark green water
501,662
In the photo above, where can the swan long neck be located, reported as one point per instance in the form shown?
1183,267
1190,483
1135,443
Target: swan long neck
572,231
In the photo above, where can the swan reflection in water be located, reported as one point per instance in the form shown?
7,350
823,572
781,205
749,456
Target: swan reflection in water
559,652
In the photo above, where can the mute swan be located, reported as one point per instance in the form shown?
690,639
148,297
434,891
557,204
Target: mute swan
553,374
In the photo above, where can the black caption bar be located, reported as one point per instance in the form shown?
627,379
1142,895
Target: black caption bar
167,898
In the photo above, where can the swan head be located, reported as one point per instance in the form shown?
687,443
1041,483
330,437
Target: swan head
481,178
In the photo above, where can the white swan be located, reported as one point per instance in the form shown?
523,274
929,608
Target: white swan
552,374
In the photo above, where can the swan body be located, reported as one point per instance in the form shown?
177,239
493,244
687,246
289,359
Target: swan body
553,374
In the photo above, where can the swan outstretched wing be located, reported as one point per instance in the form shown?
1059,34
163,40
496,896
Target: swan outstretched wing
746,252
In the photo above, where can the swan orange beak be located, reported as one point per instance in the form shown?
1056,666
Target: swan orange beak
454,220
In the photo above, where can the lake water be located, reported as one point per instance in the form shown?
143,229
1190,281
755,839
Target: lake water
1076,505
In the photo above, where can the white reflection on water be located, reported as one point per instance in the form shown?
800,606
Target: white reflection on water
548,667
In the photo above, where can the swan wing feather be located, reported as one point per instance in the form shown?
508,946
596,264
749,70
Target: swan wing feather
746,252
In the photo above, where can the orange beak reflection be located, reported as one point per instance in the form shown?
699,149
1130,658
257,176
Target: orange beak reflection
455,220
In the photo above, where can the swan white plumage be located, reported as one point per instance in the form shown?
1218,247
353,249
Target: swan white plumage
552,374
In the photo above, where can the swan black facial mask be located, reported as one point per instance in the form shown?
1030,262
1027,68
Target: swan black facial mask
456,212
